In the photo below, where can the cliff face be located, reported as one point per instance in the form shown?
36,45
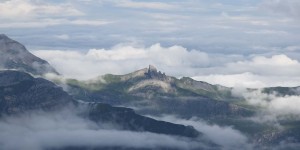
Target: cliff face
14,55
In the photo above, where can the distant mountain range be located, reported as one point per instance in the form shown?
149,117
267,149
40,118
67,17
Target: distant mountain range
156,93
125,100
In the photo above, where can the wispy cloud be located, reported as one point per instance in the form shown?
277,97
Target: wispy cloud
22,9
42,23
145,4
225,136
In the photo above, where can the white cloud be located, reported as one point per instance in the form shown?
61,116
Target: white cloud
194,24
144,4
15,8
256,21
250,80
260,71
286,105
227,137
89,22
122,59
23,9
234,80
33,14
278,65
267,32
63,37
275,106
292,48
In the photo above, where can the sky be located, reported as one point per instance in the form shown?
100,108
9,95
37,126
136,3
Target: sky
236,43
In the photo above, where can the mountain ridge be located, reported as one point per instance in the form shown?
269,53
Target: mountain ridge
14,55
148,86
23,93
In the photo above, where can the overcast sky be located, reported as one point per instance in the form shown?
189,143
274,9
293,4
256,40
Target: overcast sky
252,43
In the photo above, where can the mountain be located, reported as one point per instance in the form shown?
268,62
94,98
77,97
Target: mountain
14,55
21,93
123,101
153,92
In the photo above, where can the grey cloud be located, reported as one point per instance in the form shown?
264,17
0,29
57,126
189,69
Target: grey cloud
144,4
215,39
195,25
288,8
27,9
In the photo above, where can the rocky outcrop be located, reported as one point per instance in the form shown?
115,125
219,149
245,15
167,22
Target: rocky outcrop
152,73
14,55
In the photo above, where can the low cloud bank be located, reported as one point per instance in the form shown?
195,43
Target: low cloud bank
38,131
227,137
273,106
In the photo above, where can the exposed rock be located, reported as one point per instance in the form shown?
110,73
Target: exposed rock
152,73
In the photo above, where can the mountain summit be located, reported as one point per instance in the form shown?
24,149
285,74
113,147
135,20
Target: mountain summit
13,55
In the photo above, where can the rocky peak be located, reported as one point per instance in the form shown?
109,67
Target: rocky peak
152,73
9,46
3,37
14,55
152,69
149,72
